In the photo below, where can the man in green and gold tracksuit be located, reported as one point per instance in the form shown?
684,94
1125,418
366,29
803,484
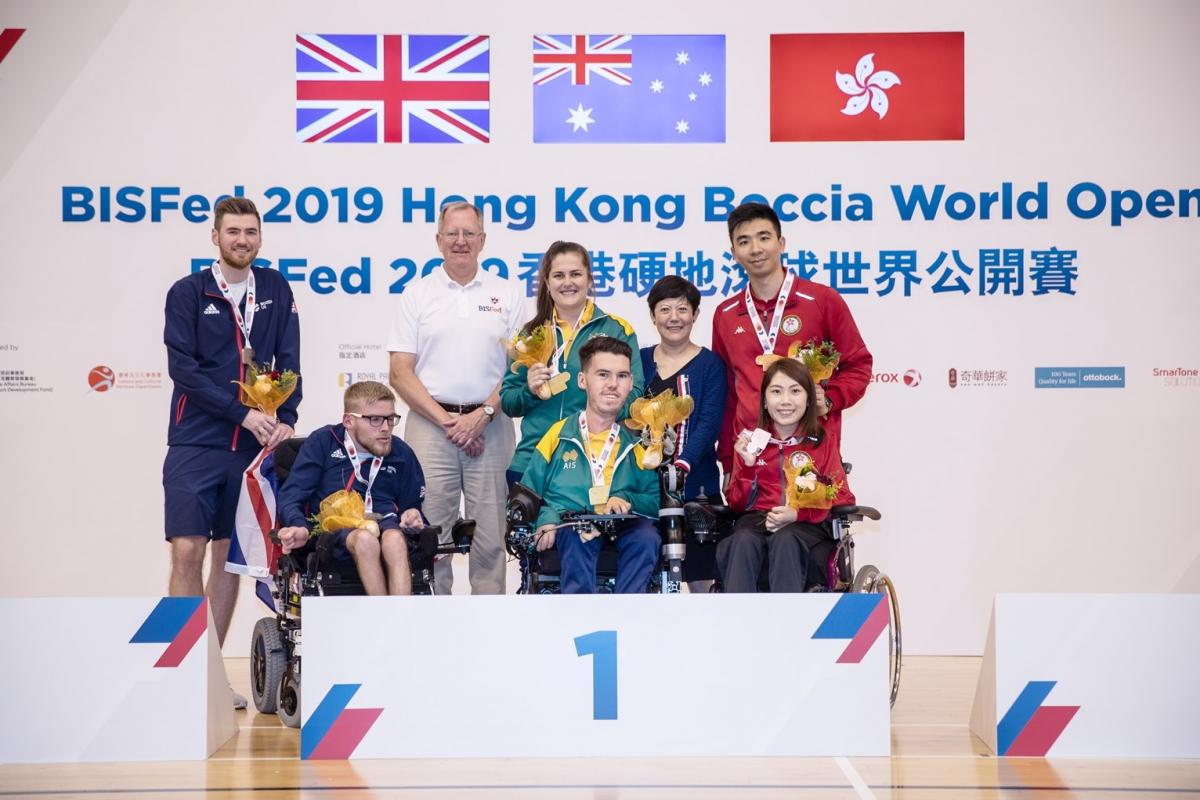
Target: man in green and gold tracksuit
591,462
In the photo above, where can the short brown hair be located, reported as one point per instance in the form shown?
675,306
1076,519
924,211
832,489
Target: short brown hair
364,393
810,422
234,205
603,344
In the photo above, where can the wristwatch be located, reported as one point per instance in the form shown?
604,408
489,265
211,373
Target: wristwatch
489,410
828,404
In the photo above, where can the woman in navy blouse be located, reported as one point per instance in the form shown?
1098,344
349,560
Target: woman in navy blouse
680,364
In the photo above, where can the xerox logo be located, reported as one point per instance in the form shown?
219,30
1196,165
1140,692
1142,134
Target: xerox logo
910,377
1079,377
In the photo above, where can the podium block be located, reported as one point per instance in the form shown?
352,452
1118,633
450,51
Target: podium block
601,675
111,679
1091,675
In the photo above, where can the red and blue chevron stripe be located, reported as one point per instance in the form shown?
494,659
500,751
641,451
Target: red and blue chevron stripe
858,617
178,622
332,730
1029,728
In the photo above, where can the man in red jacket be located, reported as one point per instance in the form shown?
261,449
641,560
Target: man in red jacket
776,309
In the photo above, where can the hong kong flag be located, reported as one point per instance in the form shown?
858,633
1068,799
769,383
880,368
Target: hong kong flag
866,86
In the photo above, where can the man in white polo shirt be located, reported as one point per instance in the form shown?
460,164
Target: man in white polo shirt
447,361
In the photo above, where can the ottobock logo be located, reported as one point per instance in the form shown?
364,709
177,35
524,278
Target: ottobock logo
1178,377
910,378
1079,377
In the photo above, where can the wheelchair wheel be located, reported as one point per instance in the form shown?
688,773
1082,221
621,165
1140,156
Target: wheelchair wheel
870,579
884,585
865,580
268,659
289,700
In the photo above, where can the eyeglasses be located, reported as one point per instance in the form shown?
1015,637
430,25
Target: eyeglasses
376,420
470,236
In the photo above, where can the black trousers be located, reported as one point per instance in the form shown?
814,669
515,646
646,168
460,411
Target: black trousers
788,553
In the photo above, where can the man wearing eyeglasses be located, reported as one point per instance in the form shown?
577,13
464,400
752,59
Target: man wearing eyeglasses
360,455
447,361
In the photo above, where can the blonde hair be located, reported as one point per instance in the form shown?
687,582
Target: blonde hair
459,206
364,393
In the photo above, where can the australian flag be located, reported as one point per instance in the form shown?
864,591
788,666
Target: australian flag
392,88
631,89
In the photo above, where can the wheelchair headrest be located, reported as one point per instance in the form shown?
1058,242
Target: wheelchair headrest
285,455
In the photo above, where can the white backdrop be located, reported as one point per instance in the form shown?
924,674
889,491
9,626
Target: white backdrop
984,488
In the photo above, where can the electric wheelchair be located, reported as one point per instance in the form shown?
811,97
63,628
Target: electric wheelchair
313,571
702,522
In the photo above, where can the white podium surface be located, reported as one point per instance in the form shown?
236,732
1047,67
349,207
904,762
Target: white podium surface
111,679
606,675
1091,675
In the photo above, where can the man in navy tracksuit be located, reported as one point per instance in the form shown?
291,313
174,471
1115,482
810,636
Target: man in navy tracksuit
359,455
217,321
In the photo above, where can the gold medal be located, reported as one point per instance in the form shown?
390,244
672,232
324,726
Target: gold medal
598,496
557,383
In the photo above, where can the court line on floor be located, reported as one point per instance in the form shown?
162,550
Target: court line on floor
860,786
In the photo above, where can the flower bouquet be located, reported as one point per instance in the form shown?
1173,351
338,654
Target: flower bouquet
821,358
656,418
536,347
266,389
343,509
807,488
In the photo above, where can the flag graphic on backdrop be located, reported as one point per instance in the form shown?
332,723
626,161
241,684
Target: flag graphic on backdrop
630,89
392,88
866,86
8,40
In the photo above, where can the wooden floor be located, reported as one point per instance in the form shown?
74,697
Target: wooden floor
934,756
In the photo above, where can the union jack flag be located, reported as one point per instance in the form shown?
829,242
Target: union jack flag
251,551
581,57
392,88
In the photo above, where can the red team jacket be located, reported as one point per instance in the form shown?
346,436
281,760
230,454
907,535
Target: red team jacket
760,488
813,311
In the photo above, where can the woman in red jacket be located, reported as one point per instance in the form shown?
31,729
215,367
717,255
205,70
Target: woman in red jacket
798,452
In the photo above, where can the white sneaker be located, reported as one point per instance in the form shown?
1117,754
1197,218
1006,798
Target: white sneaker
239,701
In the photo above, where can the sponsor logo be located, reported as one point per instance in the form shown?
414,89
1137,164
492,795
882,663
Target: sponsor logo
1079,377
493,309
1178,377
211,309
389,469
345,379
338,454
761,463
351,351
739,329
101,378
971,378
263,304
18,380
790,324
910,377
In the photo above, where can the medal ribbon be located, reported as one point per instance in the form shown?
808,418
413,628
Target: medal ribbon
246,323
597,464
376,463
767,339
